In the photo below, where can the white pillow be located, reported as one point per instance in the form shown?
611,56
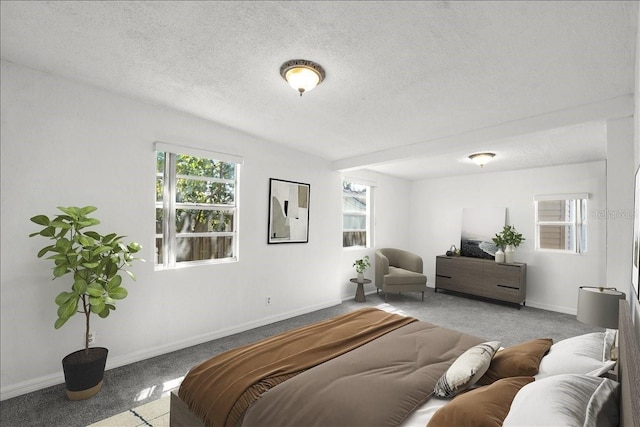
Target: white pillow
466,369
584,354
566,400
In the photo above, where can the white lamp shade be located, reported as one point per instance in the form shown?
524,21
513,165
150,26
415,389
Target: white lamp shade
302,75
599,307
482,159
302,79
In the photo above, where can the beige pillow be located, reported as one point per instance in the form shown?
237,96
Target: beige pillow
516,361
466,369
484,406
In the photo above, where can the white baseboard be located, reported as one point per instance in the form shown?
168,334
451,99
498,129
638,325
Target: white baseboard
40,383
556,308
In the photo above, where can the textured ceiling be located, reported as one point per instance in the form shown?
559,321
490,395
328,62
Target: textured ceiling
411,89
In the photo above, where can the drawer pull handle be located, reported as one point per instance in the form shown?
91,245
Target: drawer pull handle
440,275
508,287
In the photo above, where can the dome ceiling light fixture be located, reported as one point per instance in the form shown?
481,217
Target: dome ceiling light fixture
302,75
482,159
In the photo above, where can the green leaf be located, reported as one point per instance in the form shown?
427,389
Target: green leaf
104,313
68,309
114,282
59,257
87,210
72,211
60,321
60,270
63,244
97,305
86,241
134,247
133,276
40,220
64,297
93,235
48,232
43,251
100,250
80,286
108,237
118,293
60,224
90,264
95,290
88,222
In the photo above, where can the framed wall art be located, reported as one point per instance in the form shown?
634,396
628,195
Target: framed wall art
635,269
288,211
479,225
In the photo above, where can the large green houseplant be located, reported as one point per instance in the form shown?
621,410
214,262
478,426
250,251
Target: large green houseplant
95,262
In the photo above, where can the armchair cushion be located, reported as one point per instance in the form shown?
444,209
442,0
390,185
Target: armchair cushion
399,276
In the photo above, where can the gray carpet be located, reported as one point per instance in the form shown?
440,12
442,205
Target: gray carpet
123,386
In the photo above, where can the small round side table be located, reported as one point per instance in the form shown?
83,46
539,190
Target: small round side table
360,289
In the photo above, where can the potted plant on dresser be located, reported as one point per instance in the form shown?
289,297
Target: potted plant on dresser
509,239
95,262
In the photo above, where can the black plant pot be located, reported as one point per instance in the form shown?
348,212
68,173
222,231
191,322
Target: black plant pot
84,371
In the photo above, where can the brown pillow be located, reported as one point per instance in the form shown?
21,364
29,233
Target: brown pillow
484,406
516,361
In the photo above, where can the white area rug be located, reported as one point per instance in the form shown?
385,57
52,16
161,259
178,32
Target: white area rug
154,414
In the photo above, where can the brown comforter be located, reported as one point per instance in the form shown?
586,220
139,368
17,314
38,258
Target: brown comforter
222,388
378,384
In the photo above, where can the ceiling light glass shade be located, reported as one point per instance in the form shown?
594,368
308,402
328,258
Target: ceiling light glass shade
302,75
482,159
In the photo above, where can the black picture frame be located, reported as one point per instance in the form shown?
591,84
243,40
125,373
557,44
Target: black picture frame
288,211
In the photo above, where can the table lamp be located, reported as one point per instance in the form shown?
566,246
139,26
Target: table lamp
598,306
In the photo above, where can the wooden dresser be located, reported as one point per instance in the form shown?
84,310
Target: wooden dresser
482,277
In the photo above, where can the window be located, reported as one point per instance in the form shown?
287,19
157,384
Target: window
356,214
561,223
196,207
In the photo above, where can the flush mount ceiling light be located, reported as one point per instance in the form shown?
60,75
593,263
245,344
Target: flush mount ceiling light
302,75
482,159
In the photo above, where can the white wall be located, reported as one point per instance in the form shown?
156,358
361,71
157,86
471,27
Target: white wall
620,181
552,279
65,143
392,210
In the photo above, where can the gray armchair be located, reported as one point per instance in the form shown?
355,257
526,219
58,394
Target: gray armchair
399,271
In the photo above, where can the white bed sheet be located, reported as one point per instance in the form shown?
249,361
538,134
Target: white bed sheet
421,416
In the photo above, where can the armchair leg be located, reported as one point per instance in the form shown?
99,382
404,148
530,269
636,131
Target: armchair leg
422,296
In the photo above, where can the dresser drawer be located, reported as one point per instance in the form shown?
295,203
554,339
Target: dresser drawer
503,275
481,277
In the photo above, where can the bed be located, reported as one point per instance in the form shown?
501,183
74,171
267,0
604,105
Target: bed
375,368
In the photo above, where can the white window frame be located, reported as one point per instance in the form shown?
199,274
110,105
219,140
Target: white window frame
368,212
577,225
169,205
